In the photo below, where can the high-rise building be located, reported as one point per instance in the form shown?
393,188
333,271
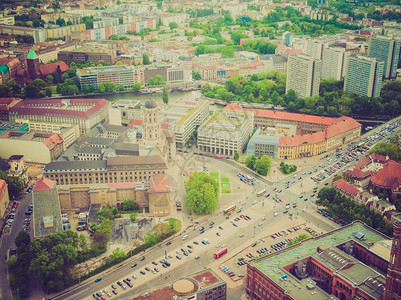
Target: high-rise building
393,279
303,75
314,48
333,63
387,49
363,76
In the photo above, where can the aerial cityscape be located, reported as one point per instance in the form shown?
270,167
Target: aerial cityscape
211,150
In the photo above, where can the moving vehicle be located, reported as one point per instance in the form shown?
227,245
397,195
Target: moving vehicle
220,253
229,209
262,192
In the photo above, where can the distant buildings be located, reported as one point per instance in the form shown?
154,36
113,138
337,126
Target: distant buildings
363,76
225,132
334,63
39,35
386,49
84,54
303,75
4,198
84,112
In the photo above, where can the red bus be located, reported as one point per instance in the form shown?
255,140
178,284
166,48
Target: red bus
220,253
229,210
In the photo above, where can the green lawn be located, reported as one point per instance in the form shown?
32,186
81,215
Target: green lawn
225,185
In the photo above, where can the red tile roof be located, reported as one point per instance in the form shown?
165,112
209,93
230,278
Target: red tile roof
312,138
341,125
49,69
135,122
389,176
44,184
358,173
164,125
52,141
159,183
342,185
54,107
274,114
6,103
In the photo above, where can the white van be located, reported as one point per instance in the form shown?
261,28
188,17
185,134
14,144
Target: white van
184,237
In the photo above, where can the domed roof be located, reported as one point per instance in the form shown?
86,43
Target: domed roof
150,103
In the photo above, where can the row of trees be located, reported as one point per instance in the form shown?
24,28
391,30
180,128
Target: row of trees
261,165
202,191
348,210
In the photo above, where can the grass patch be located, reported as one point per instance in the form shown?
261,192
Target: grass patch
225,185
175,224
215,176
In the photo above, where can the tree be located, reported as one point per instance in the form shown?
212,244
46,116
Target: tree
119,63
159,80
133,216
116,256
162,231
48,92
136,86
101,88
387,149
236,156
196,76
173,25
49,79
60,22
165,95
69,23
151,239
337,177
202,191
145,59
152,81
121,88
128,204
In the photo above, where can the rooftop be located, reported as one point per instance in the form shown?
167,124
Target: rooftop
272,265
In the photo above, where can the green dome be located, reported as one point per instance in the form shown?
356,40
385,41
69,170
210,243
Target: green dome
150,103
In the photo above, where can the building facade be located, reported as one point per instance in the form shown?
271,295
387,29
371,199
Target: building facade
62,32
159,195
363,76
225,132
84,112
334,62
94,76
386,49
114,169
88,53
303,75
393,282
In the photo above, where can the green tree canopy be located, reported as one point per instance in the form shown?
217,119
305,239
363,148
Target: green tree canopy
202,191
165,95
145,59
129,204
387,149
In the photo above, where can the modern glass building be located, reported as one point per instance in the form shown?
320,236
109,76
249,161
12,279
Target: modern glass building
387,49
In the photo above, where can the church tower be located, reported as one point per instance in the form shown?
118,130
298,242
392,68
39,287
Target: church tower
32,61
151,132
393,280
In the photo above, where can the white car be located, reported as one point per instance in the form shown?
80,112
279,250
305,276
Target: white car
275,213
254,202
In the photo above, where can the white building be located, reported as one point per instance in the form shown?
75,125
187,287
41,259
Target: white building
334,62
303,75
225,132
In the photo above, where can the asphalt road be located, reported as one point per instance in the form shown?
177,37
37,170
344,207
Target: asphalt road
8,242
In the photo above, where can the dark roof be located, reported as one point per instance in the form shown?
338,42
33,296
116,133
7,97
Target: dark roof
126,149
150,103
63,166
16,157
136,161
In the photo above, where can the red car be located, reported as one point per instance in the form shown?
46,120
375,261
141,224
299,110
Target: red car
275,189
241,216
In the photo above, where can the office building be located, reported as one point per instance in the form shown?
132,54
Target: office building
83,54
46,209
84,112
225,132
112,169
314,48
94,76
303,75
363,76
346,263
202,285
4,198
334,61
386,49
62,32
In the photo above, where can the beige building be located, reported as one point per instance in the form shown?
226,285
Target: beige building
7,20
225,132
159,195
334,63
18,168
68,132
75,197
303,75
60,32
114,169
4,198
37,147
183,117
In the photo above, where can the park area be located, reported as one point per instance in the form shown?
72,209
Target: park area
225,185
